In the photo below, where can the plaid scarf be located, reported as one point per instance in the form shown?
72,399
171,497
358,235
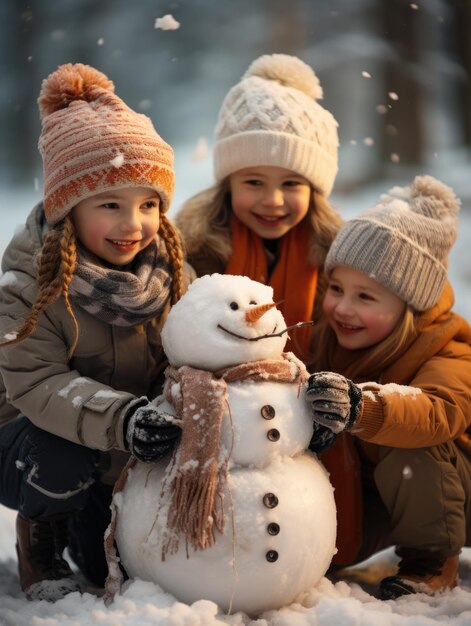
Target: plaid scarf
127,296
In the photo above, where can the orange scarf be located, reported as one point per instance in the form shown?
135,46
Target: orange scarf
294,281
343,464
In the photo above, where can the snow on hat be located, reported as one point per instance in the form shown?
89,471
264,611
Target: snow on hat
403,241
91,142
271,117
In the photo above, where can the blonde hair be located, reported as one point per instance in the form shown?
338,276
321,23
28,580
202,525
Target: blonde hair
56,267
205,219
372,362
174,246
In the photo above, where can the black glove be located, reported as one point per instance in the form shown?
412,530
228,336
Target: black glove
322,438
336,402
150,434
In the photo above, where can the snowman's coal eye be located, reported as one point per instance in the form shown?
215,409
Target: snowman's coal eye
234,306
252,302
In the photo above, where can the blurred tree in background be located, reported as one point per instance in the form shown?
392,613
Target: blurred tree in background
395,73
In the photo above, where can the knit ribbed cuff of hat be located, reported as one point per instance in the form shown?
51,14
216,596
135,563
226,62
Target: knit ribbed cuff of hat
62,193
391,258
263,148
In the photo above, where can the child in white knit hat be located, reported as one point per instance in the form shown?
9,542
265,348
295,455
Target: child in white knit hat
275,162
86,286
393,378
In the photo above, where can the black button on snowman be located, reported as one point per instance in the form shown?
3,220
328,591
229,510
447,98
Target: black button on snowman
271,533
268,412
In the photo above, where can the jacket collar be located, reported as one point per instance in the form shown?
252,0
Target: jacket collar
435,329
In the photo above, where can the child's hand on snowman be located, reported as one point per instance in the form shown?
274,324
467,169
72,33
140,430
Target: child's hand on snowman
149,433
336,402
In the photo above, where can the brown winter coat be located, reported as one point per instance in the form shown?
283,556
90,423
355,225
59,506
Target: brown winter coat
82,400
438,363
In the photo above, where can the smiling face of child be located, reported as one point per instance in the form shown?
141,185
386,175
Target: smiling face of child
269,200
359,309
115,225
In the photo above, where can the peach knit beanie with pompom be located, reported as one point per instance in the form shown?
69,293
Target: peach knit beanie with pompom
272,117
91,142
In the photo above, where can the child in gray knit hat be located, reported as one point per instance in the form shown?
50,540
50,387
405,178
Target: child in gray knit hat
275,162
392,382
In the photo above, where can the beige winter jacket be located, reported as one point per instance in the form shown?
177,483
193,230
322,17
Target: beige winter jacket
83,400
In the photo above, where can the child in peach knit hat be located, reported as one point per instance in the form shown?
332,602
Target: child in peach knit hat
86,286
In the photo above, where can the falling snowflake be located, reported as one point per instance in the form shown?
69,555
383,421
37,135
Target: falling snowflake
167,22
145,105
117,161
368,141
407,472
393,95
395,158
100,41
366,74
201,150
57,35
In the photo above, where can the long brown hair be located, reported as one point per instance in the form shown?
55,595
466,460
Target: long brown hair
56,266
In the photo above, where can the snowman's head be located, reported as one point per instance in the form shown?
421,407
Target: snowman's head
220,322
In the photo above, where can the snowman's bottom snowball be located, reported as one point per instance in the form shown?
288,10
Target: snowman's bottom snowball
249,569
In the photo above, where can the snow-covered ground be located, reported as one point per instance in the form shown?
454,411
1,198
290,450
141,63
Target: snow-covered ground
345,602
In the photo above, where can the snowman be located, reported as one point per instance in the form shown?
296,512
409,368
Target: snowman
241,514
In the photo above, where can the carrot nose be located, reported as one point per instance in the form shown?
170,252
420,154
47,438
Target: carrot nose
256,312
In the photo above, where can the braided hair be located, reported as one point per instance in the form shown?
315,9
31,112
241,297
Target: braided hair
173,243
56,266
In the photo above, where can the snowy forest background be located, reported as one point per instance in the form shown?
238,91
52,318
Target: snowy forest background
395,74
415,107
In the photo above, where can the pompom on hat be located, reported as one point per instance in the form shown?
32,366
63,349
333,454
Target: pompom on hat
403,242
272,117
91,142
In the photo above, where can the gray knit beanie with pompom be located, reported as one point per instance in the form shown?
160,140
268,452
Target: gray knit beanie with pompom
271,117
403,242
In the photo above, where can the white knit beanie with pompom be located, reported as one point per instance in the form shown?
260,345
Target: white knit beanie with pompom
92,142
272,117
